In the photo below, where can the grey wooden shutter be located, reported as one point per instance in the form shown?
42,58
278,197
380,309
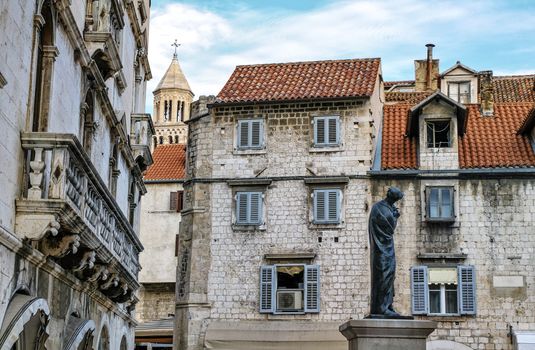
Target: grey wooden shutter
333,212
319,131
268,288
242,207
243,133
173,200
419,290
467,289
312,288
333,131
179,201
256,133
255,205
319,205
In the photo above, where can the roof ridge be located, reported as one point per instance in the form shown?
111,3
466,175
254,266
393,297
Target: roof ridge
309,62
514,76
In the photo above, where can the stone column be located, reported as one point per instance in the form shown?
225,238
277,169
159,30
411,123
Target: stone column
387,334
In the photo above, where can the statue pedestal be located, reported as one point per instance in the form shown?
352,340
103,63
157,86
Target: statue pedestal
387,334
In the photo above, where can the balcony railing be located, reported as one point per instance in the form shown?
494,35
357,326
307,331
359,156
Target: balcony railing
67,208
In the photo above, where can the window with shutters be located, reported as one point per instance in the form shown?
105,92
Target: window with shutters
443,290
439,204
326,206
176,200
249,208
326,131
289,288
250,134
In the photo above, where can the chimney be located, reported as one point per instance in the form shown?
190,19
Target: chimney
486,93
426,72
200,107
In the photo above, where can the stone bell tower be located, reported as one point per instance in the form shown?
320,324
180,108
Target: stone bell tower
172,105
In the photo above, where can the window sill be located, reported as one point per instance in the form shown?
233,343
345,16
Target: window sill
445,221
325,149
446,317
236,227
326,226
247,152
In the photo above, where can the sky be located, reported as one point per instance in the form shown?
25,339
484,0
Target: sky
218,35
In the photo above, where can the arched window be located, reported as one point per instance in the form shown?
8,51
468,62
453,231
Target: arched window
161,140
176,139
170,139
154,141
104,341
46,55
88,122
123,345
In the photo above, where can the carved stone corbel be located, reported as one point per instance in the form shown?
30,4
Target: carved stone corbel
113,281
60,246
99,272
87,261
120,290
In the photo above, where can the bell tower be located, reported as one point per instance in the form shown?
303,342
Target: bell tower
172,105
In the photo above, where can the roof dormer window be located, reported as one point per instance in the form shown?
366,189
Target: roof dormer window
438,133
459,91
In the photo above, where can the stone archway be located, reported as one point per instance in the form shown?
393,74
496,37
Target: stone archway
80,334
25,323
446,345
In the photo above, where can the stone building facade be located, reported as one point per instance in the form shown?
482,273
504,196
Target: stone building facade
283,168
74,142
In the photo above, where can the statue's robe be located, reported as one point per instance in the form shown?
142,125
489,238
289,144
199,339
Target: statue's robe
382,222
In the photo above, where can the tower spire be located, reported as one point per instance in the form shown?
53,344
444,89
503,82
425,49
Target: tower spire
176,45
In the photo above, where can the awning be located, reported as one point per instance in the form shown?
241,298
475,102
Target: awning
524,340
274,335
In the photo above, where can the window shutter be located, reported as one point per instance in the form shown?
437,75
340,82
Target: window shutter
256,133
243,133
334,204
319,128
176,245
467,290
255,204
173,201
333,130
312,288
241,208
319,206
419,290
268,287
180,201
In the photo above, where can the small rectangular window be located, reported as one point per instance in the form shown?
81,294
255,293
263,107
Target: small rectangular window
327,206
440,204
326,131
249,209
438,133
459,91
176,200
250,134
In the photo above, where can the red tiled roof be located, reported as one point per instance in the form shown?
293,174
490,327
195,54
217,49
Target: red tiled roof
301,80
169,163
409,97
517,88
389,84
489,142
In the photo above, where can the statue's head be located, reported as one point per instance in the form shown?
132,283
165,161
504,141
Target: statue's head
394,194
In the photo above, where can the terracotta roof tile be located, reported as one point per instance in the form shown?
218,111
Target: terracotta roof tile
489,142
301,80
169,163
409,97
389,84
517,88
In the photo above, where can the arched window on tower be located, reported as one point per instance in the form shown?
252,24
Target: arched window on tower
165,110
170,112
161,140
155,141
46,55
179,111
176,139
170,139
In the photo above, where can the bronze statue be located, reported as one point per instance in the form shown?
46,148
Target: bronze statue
382,223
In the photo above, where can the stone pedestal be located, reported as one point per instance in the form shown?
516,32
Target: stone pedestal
387,334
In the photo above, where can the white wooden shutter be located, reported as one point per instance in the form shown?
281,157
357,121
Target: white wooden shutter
256,133
243,133
268,288
333,213
319,131
255,208
332,131
467,289
312,288
242,207
419,290
319,205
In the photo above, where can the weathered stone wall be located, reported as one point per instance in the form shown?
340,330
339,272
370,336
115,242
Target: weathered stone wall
156,301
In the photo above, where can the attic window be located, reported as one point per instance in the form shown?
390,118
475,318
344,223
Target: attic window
460,92
438,133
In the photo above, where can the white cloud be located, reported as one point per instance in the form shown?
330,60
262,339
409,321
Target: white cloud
396,31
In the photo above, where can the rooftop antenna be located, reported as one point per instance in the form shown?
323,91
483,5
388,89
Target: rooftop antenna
176,45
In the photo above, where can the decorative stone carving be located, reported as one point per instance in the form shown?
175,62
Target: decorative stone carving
60,246
113,281
36,174
100,272
87,261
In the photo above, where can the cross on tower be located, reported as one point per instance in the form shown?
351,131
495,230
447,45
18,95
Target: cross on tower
176,45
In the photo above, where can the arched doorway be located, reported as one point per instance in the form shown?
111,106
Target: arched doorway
104,340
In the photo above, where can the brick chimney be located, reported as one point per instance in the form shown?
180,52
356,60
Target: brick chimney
426,72
486,92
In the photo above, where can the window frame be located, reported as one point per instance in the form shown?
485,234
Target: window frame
327,220
307,286
450,135
237,201
428,190
458,88
325,119
250,145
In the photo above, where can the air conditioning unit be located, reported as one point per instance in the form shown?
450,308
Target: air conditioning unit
289,300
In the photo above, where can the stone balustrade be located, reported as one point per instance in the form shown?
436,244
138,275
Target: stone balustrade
68,210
